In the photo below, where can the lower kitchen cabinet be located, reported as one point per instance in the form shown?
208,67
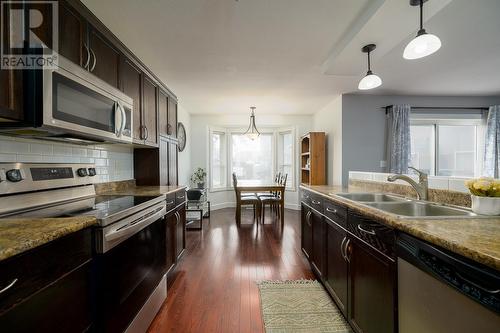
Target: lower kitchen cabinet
176,235
372,289
354,259
306,228
336,266
50,287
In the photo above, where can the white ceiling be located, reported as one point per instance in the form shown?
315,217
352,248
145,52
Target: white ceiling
295,56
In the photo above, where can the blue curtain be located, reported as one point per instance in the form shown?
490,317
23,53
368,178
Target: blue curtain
491,162
398,138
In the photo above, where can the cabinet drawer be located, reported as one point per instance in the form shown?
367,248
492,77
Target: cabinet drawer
37,268
180,197
317,202
305,197
375,234
335,212
170,202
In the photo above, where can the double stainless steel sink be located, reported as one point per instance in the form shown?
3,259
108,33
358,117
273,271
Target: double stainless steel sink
407,208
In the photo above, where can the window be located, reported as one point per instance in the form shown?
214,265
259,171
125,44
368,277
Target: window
252,161
447,146
217,159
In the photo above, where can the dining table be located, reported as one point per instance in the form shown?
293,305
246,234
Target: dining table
256,186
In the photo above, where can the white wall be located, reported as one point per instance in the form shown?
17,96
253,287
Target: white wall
185,156
113,162
199,146
329,120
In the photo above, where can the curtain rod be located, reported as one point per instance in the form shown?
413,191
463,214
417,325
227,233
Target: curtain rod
441,107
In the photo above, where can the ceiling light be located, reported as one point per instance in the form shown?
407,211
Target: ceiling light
371,80
252,132
424,44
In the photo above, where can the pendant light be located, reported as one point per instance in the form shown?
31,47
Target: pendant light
424,44
252,132
371,80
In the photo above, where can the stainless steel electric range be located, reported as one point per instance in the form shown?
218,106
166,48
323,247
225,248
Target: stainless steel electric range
130,237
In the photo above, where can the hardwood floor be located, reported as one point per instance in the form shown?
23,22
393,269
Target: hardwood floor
213,289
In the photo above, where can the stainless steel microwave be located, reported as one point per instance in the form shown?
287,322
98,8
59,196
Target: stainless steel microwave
70,104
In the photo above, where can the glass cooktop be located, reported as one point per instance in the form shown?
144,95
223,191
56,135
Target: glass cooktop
101,206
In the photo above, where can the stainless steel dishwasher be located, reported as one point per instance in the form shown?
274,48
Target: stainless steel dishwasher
441,292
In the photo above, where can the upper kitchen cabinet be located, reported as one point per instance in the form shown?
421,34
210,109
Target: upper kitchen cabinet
162,112
130,84
72,36
11,95
149,114
105,58
172,117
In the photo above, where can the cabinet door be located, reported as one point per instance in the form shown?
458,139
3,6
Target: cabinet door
149,110
336,265
162,113
11,94
163,160
72,43
130,84
172,164
172,117
105,59
171,222
372,289
306,228
180,231
318,259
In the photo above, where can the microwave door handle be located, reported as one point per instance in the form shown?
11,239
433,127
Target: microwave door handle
124,117
118,120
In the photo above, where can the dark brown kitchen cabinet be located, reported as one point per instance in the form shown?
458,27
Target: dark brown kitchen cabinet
72,35
306,228
372,289
336,266
130,84
149,111
180,231
172,117
104,58
176,234
318,258
162,112
50,287
173,163
11,95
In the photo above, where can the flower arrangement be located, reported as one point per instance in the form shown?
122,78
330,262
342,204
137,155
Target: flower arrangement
198,177
484,187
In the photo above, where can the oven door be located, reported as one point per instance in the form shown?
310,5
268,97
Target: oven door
127,275
75,101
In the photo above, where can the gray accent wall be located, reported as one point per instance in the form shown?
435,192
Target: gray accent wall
364,126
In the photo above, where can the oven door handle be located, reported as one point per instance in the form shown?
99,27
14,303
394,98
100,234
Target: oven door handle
134,226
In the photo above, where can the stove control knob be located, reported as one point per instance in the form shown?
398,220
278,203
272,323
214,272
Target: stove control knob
14,175
82,172
92,172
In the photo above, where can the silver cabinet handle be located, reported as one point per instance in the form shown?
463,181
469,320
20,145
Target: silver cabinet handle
146,132
10,285
170,202
308,218
346,246
342,248
369,232
94,62
86,66
316,202
180,197
334,211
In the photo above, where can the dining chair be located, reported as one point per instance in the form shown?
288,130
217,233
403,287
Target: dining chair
277,179
247,200
274,201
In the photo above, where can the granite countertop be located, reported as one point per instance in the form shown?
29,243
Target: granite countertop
23,234
475,238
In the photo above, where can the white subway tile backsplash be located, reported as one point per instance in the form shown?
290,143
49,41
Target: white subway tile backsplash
112,162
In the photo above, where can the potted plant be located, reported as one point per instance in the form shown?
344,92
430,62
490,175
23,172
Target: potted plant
485,193
198,177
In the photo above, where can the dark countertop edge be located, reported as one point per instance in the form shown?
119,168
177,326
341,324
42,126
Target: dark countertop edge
404,225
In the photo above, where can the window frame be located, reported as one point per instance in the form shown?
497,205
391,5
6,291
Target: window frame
211,131
229,131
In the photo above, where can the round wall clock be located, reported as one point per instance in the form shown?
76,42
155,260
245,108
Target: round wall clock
181,136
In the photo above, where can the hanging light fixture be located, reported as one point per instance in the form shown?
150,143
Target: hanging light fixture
371,80
252,132
424,44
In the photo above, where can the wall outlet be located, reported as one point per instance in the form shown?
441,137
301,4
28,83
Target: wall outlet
383,164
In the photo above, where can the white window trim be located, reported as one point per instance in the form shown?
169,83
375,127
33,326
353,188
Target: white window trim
228,131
